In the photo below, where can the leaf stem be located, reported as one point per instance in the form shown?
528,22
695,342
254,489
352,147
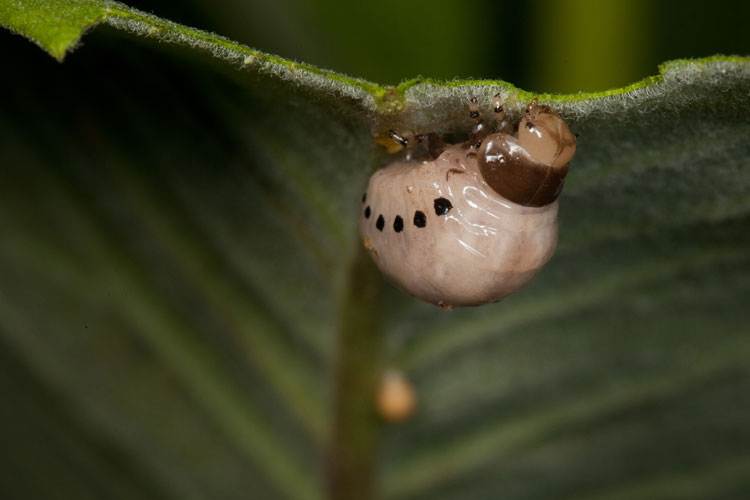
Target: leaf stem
353,451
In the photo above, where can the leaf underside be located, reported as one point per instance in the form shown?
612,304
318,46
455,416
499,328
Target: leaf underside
178,245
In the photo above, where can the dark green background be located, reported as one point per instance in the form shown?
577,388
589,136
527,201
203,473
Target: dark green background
538,45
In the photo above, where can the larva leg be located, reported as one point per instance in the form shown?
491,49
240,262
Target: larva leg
432,142
480,130
503,125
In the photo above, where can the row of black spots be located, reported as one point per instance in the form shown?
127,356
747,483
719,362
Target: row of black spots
398,223
442,207
420,220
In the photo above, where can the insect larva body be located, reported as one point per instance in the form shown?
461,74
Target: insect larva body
440,229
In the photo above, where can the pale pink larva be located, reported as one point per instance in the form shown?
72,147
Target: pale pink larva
442,232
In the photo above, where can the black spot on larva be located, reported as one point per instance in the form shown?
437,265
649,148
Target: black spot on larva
498,109
420,220
474,114
442,206
398,224
364,197
367,212
380,224
473,99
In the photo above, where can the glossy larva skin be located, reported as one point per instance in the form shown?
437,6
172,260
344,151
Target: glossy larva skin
481,250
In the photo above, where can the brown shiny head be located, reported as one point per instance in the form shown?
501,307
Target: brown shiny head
530,167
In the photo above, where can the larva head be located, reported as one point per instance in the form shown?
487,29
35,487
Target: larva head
529,169
546,136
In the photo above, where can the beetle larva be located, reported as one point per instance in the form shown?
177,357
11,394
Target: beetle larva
476,223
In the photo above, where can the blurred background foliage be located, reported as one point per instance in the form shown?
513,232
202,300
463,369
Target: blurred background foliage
538,45
146,356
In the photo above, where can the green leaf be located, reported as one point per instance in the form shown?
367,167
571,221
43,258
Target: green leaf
185,311
56,26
